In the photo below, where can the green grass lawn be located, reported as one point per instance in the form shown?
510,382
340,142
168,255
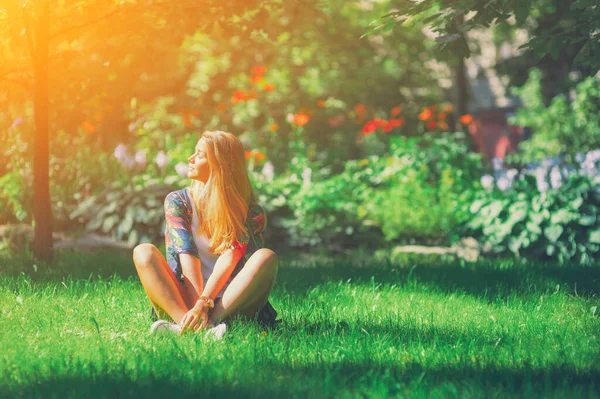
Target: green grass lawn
424,327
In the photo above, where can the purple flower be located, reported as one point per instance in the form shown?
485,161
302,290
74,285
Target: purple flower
487,182
121,152
140,157
182,168
540,176
555,178
268,171
162,159
504,183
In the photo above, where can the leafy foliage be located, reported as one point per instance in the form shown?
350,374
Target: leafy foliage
133,213
561,224
429,183
579,23
564,127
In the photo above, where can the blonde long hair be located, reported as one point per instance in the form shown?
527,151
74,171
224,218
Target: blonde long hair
222,202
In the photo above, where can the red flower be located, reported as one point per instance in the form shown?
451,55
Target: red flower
360,109
380,122
259,70
321,103
432,125
396,111
396,122
369,128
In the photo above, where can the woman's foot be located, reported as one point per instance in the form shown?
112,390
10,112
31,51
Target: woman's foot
164,327
217,331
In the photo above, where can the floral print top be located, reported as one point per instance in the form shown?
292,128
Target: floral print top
179,235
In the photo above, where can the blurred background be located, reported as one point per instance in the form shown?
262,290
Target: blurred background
363,131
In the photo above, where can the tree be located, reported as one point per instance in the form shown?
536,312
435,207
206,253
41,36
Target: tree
52,32
579,25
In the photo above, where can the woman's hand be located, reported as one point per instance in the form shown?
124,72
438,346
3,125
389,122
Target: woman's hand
196,318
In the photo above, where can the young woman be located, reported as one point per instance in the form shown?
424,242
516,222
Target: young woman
216,267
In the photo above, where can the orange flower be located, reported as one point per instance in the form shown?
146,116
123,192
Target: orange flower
256,78
360,109
396,111
443,125
268,87
89,127
274,127
301,119
432,125
259,70
255,154
239,95
466,119
425,115
221,107
441,116
448,108
321,103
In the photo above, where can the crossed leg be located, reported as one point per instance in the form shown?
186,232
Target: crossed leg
244,296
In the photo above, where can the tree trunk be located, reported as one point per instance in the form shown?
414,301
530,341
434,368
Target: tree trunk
462,95
42,212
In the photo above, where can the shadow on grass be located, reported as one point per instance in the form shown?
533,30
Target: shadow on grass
486,280
326,380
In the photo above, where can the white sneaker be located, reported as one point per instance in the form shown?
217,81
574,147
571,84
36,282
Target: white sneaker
216,332
164,327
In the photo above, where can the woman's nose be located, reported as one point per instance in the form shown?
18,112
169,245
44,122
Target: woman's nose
191,159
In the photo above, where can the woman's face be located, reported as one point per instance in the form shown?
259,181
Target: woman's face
198,163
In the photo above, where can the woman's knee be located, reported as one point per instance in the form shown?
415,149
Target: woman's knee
268,260
143,254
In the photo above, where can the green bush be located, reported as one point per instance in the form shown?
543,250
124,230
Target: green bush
428,185
560,224
12,203
132,212
564,127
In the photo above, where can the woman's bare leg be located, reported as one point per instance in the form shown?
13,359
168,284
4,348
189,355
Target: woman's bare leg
160,284
250,289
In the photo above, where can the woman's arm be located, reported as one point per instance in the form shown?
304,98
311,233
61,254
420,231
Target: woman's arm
192,274
223,268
